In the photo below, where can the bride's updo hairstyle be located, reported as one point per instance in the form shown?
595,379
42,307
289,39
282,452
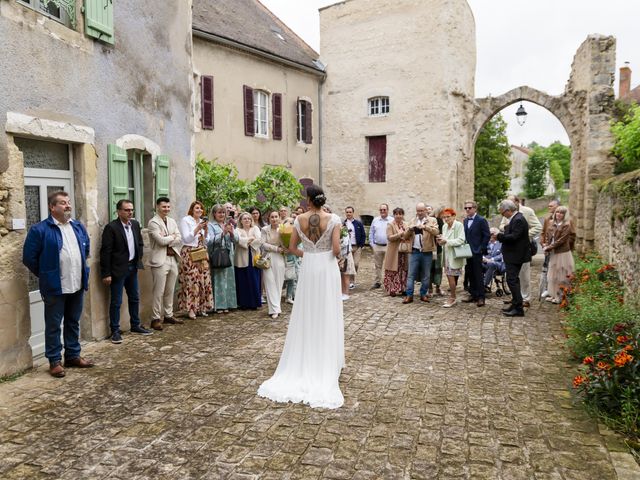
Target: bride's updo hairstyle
316,195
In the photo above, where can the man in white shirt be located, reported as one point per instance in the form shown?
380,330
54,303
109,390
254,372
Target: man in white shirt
56,251
378,241
357,239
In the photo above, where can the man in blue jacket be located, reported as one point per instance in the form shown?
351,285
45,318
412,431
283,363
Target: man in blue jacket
357,238
56,251
476,231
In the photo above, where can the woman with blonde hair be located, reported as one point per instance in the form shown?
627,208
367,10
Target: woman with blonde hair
559,248
396,262
222,235
248,277
452,236
196,295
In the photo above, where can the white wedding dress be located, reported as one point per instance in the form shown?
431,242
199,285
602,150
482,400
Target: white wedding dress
313,354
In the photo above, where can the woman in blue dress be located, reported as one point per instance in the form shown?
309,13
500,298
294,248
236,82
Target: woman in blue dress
222,234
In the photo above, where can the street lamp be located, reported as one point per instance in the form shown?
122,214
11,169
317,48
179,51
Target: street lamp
521,115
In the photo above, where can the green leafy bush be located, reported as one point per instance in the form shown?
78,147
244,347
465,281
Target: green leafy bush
627,141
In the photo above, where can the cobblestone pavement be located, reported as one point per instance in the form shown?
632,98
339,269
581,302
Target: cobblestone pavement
430,393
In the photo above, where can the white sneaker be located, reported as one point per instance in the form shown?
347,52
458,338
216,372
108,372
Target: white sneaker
352,286
544,294
345,297
289,300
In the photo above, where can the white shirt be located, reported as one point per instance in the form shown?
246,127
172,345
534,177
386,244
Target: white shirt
128,231
70,259
417,240
378,230
352,231
187,225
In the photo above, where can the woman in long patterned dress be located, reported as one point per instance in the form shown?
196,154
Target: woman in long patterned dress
559,247
248,277
396,263
222,234
452,236
196,296
274,275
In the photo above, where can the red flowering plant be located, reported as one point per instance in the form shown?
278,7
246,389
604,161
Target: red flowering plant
609,379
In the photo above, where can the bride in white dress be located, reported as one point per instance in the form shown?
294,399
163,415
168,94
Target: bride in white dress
313,354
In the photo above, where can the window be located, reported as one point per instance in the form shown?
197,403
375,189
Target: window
378,106
304,124
377,152
260,113
53,10
131,176
206,98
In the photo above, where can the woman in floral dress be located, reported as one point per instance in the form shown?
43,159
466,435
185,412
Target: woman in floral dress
396,263
196,296
222,233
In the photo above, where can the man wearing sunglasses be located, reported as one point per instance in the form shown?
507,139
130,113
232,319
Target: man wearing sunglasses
476,230
120,258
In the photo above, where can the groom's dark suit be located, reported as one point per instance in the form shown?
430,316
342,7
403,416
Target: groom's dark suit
477,235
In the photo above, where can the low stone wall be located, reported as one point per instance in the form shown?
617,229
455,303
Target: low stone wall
617,228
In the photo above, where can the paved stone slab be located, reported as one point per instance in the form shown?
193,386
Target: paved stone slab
433,393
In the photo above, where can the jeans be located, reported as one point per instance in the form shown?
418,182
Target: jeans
419,262
67,307
130,283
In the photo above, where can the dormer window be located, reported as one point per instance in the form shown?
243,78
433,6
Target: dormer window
378,106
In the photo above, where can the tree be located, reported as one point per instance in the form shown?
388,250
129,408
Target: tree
627,144
561,154
492,164
276,186
556,174
218,183
535,181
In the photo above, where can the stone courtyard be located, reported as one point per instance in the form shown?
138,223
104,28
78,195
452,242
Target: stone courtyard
431,393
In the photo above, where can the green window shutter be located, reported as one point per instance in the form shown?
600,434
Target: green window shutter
98,20
118,177
162,176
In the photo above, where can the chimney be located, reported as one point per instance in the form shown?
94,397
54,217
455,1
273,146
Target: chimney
625,81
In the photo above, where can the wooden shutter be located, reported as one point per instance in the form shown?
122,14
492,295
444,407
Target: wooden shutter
118,177
308,116
305,182
206,94
98,20
377,159
248,111
277,116
162,176
298,137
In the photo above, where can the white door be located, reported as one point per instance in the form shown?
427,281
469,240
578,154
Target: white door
48,168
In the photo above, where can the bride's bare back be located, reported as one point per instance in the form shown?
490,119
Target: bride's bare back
314,224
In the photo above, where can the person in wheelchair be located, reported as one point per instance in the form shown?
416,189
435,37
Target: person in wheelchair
492,262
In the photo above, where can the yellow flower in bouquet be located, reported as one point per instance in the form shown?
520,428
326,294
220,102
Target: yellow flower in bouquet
285,229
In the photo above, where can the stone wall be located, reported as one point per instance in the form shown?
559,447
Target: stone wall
617,227
421,54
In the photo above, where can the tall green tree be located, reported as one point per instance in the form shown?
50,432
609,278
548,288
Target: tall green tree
276,186
556,174
535,181
561,154
492,164
627,141
219,183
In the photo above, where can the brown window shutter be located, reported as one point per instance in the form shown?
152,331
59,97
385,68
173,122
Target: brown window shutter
377,159
206,94
298,120
308,115
248,111
277,116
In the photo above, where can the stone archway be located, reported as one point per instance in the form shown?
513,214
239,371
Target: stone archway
584,109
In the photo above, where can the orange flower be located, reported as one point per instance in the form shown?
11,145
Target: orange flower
579,380
622,339
588,360
603,366
628,348
622,359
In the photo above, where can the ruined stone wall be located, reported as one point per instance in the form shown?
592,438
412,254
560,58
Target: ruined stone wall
617,227
592,72
429,81
76,90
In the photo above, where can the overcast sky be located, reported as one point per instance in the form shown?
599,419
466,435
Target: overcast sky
519,42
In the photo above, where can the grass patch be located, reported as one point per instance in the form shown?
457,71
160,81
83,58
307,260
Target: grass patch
12,377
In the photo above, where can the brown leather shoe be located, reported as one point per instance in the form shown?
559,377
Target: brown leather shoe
56,370
424,298
526,304
480,302
156,324
407,300
78,363
173,320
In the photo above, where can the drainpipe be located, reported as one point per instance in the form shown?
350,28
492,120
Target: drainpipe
320,83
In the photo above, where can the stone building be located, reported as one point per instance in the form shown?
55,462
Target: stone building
400,78
257,90
625,92
519,157
96,100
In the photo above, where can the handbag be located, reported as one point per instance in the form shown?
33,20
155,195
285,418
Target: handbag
290,271
405,246
342,264
198,254
533,247
219,257
462,251
262,260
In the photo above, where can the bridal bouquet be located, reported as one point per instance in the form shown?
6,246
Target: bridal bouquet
285,229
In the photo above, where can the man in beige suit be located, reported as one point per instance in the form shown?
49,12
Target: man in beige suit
165,242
